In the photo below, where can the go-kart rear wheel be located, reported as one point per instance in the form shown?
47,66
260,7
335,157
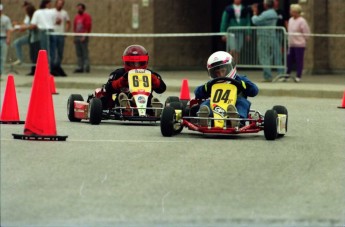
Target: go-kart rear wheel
168,122
282,110
95,111
270,125
171,99
70,107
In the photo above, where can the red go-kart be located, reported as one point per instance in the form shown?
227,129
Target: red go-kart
139,81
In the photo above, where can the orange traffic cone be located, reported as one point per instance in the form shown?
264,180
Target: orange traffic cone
343,103
184,94
10,113
40,119
52,85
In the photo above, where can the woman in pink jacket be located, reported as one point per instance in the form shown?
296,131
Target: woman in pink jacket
298,29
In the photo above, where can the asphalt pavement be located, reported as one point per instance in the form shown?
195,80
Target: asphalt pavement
311,86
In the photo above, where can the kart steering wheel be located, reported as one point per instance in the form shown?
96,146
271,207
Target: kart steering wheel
238,84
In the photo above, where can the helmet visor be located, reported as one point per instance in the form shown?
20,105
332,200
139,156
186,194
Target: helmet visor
220,71
135,64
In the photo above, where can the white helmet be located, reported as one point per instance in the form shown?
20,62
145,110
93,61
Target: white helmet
221,60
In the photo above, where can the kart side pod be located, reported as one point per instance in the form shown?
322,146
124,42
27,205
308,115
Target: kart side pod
282,121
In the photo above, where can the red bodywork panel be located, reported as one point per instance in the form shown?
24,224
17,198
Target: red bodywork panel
81,109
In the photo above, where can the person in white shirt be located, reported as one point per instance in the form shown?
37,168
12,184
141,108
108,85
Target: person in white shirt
43,20
5,37
62,24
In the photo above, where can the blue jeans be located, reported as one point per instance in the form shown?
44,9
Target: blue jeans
3,55
82,52
58,50
18,43
47,42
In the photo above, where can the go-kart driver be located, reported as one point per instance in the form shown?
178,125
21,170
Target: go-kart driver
221,64
134,57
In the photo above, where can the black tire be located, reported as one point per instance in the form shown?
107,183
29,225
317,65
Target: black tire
168,122
177,105
270,125
95,111
70,107
282,110
171,99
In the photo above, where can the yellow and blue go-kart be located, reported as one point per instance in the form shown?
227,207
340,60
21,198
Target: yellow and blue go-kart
178,114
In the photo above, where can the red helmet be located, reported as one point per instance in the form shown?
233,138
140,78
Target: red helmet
135,57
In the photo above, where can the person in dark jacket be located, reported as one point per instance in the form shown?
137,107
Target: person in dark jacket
221,64
134,57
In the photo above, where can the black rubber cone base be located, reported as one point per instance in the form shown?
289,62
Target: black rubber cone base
341,107
12,122
40,138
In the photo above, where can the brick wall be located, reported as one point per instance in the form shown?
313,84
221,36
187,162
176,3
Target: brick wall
178,16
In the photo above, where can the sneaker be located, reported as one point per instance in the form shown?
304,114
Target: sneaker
123,100
204,111
155,103
232,113
297,79
18,62
78,71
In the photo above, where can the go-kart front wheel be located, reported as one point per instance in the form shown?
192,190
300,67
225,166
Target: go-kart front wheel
168,122
70,107
95,111
270,125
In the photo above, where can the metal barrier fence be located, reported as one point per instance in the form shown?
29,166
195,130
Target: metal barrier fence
258,47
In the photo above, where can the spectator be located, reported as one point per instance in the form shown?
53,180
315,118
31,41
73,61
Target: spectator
62,24
297,28
34,40
281,24
43,20
235,15
19,42
5,37
82,24
266,37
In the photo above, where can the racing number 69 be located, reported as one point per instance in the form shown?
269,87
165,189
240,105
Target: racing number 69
218,96
136,81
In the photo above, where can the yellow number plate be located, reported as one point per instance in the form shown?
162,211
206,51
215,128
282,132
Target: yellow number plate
222,94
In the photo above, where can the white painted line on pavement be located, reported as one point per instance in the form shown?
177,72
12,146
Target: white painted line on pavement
117,141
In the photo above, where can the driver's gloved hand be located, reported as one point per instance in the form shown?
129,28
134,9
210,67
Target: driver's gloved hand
121,82
155,81
125,76
241,86
207,87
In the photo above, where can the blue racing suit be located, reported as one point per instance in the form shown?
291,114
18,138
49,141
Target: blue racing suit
242,104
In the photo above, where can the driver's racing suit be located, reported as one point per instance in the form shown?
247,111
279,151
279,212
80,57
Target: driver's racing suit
242,104
117,83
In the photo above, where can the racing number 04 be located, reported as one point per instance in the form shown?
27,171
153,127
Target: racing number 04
136,81
221,94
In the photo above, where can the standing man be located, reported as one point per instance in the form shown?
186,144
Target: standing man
43,20
62,24
5,37
82,24
266,37
280,47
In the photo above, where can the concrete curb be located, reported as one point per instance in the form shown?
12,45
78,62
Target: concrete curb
308,93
